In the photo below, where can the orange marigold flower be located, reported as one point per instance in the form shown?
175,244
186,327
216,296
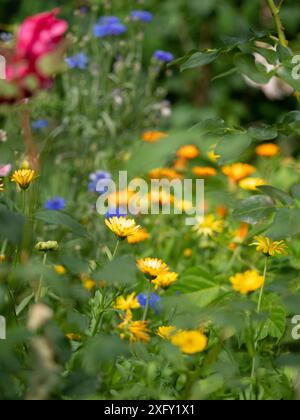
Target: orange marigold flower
134,330
188,152
251,184
164,173
222,211
247,282
152,266
204,171
238,171
140,236
164,280
190,342
153,136
267,150
165,331
180,164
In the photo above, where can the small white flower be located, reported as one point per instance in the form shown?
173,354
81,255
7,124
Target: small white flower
3,136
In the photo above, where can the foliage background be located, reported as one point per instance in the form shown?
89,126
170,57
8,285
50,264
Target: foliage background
179,26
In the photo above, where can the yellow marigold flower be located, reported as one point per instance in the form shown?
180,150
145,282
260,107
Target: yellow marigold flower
152,266
60,270
247,282
1,185
164,280
188,152
2,258
183,205
180,164
238,171
134,330
73,337
153,136
165,332
140,236
213,156
267,150
89,284
204,171
190,342
24,177
188,252
164,173
269,247
127,303
209,225
122,227
162,197
120,198
251,184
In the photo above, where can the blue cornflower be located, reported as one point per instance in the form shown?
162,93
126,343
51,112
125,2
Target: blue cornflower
78,61
56,203
6,37
154,301
141,16
95,182
109,20
40,124
164,56
102,30
118,212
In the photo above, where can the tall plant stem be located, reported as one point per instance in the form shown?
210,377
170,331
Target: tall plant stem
40,289
147,302
279,26
115,251
258,310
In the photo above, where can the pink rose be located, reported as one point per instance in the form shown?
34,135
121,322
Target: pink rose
39,35
5,170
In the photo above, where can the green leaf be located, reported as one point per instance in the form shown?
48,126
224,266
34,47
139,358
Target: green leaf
224,74
102,349
158,155
11,226
263,133
286,73
205,387
63,219
255,209
275,323
121,271
200,59
276,194
286,223
295,191
23,305
231,147
246,65
193,280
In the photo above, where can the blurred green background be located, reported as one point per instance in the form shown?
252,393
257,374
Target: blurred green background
180,26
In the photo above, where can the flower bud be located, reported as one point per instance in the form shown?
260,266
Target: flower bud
47,246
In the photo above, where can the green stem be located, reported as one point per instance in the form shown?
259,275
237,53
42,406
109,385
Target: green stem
147,303
40,288
3,249
258,310
115,251
24,202
280,29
